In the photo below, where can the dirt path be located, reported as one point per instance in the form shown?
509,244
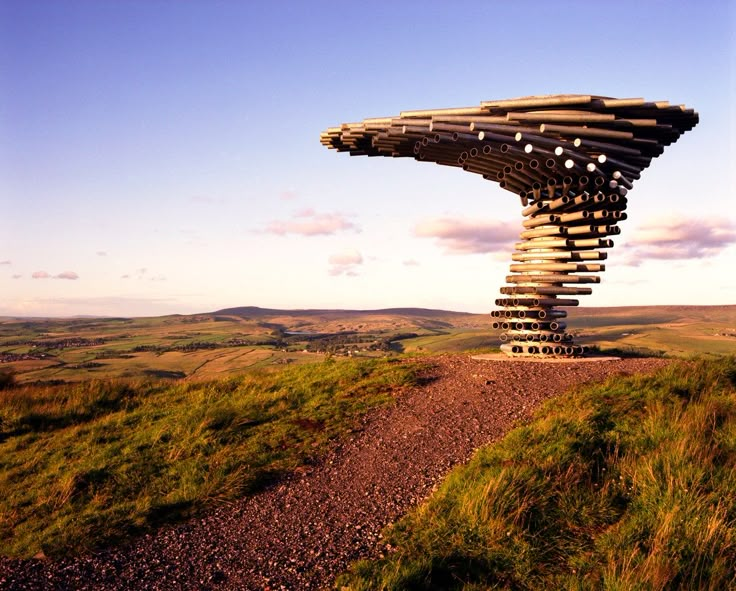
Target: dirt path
302,532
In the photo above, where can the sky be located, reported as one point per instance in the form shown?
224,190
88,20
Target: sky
161,156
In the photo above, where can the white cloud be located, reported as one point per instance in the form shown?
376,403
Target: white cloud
143,273
345,262
67,275
308,222
103,306
677,238
346,257
467,236
44,275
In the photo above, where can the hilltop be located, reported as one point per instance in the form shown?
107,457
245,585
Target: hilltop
326,320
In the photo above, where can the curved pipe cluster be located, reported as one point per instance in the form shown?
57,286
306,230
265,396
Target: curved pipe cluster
570,158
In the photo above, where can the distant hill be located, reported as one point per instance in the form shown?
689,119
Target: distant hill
320,320
233,340
652,314
256,312
613,315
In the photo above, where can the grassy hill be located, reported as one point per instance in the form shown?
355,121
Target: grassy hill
672,330
626,485
96,462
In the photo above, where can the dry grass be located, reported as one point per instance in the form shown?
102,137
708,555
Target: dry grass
628,485
87,464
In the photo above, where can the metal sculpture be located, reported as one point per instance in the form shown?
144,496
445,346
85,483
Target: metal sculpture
570,158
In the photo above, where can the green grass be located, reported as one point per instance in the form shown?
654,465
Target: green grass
453,341
626,485
88,464
670,330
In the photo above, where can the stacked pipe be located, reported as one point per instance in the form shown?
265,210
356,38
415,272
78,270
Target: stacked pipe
570,158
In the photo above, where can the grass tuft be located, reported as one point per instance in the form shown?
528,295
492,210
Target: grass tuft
91,463
625,485
7,379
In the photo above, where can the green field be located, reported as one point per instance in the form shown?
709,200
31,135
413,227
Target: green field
679,331
206,346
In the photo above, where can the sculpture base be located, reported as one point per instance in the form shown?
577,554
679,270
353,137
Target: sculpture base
544,349
530,359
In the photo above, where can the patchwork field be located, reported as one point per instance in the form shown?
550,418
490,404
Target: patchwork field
228,342
669,330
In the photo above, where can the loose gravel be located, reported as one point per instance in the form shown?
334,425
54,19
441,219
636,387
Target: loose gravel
303,531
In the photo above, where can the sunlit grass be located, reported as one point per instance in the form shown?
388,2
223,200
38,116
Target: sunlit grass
627,485
86,464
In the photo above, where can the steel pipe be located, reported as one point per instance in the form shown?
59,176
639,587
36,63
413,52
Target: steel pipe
574,157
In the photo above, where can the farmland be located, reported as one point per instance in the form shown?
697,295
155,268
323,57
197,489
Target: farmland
228,342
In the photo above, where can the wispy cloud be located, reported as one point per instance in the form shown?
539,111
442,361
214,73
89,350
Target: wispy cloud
288,195
67,275
44,275
17,276
410,263
677,238
143,273
5,263
137,274
464,236
345,262
308,222
103,306
101,253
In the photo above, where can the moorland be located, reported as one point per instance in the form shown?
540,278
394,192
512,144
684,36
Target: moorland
114,427
230,341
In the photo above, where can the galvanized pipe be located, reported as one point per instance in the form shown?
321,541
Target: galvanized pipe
574,157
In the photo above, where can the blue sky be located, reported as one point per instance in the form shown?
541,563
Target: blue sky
161,156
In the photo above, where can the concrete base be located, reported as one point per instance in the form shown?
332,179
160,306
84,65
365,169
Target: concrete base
504,357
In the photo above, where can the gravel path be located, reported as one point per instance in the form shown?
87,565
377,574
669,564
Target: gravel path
303,531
